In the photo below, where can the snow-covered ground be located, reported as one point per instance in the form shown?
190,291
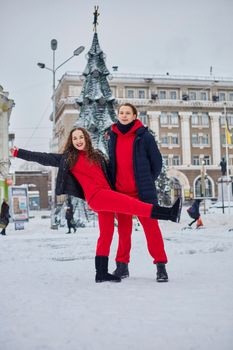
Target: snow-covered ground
49,300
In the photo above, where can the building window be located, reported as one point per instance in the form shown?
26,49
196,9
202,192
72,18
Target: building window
201,119
207,160
165,160
143,117
229,120
170,139
223,120
194,119
74,90
231,96
195,139
195,160
192,95
200,139
141,93
175,160
174,139
204,139
204,119
164,139
174,118
163,119
173,95
222,96
203,96
130,93
169,118
162,95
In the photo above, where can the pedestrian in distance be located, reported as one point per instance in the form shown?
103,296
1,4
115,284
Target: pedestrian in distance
4,216
82,172
70,216
135,164
194,213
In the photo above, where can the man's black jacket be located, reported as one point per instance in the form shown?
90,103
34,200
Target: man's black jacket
147,163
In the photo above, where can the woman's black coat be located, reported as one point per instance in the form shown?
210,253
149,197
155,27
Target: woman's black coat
5,211
66,183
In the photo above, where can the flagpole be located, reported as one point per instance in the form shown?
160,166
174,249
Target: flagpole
227,160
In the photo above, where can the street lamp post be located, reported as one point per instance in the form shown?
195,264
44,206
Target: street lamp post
54,70
203,186
228,179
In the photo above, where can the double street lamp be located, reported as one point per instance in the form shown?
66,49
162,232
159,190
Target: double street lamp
54,69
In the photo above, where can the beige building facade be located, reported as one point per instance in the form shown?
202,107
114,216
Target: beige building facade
6,105
187,115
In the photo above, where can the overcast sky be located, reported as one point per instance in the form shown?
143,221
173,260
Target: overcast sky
181,37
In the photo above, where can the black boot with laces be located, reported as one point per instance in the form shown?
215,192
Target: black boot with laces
161,273
122,270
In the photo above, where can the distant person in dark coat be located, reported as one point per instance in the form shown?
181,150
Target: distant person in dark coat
194,211
223,165
4,215
70,216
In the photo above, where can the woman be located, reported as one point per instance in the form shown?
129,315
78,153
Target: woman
83,173
194,213
135,163
70,216
4,216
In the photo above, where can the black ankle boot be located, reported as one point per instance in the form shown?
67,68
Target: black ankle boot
161,273
122,270
167,213
102,275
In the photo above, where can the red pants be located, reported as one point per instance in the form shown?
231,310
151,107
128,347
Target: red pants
153,236
107,203
115,202
106,227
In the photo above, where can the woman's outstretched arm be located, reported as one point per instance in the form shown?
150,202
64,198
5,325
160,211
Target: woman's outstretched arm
48,159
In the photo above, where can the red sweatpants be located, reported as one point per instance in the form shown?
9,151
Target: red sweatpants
106,227
153,234
115,202
106,203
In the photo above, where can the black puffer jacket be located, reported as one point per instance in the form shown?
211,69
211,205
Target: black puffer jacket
66,183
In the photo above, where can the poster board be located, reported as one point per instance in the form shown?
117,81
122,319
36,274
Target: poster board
18,199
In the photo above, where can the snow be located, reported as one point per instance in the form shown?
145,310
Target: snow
49,300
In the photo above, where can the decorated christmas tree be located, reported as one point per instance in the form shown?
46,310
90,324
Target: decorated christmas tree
96,101
163,183
163,186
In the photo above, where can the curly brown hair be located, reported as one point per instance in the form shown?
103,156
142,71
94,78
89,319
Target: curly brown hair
94,155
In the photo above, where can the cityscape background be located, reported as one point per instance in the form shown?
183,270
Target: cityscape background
176,37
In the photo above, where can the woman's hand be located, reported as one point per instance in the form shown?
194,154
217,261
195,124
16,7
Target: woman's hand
13,150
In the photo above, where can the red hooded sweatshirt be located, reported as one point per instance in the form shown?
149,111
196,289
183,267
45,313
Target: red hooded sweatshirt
125,181
90,176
